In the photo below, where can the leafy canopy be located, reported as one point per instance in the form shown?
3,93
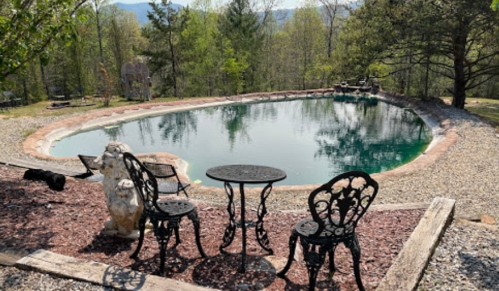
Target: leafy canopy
28,27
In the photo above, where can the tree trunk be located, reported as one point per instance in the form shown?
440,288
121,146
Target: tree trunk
427,77
174,71
25,91
97,12
44,80
409,76
459,92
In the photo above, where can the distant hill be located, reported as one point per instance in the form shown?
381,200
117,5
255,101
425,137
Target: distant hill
141,9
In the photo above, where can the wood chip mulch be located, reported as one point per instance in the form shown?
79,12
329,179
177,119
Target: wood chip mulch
70,222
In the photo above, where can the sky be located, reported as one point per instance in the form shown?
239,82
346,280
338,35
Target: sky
284,4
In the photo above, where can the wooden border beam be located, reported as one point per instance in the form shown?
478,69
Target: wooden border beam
99,273
410,264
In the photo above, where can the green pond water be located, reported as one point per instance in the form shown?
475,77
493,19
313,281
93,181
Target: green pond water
312,140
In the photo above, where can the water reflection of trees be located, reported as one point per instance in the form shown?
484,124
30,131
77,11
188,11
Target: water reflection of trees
237,119
114,132
145,130
175,127
369,141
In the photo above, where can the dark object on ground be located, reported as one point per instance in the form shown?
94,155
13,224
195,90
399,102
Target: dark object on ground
164,215
61,104
167,171
335,214
91,175
54,181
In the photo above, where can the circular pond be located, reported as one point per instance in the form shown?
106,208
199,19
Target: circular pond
312,140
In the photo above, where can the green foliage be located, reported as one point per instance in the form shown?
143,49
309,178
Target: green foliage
495,5
412,46
451,38
234,66
240,25
165,45
29,27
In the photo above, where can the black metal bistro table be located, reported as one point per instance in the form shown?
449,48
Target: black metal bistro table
246,174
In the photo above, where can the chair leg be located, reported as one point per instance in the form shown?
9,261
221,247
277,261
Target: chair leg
193,216
142,228
185,192
163,237
354,247
292,248
314,261
332,268
177,234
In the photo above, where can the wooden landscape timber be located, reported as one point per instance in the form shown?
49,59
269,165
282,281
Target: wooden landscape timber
410,264
102,274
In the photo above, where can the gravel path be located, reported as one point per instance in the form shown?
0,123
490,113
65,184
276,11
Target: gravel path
13,279
467,258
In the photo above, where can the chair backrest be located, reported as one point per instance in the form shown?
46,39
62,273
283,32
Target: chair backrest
161,170
55,90
88,162
343,206
144,182
9,95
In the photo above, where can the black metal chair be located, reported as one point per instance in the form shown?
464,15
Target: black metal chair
4,103
165,216
78,94
91,175
335,214
101,92
167,171
57,94
16,102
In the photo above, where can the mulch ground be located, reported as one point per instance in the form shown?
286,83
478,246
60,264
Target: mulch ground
70,222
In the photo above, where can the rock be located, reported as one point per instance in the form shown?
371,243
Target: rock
487,219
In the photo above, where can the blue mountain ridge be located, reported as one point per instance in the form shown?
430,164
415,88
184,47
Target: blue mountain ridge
141,10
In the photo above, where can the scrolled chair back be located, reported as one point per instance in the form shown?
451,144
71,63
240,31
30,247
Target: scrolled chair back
144,181
338,210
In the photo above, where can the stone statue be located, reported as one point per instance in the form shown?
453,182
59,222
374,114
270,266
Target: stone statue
122,200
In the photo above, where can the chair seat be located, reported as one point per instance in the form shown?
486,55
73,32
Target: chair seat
307,227
174,208
95,178
167,187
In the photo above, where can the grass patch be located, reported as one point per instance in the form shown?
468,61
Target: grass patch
40,109
487,108
27,133
489,111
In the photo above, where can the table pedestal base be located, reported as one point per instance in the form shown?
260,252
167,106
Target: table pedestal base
230,230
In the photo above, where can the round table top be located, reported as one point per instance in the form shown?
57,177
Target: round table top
246,174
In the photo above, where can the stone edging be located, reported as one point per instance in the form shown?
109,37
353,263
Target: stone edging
444,132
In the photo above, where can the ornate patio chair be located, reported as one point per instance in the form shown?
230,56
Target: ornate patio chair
165,216
335,214
167,171
88,162
78,94
99,96
4,103
15,101
57,94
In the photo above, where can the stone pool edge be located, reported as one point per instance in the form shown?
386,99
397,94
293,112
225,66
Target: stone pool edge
444,132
